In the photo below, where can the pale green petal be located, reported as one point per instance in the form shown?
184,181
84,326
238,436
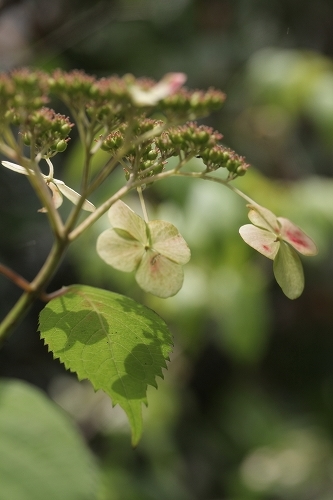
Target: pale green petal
166,240
73,196
293,235
122,216
264,218
56,197
158,275
261,240
288,271
16,168
120,253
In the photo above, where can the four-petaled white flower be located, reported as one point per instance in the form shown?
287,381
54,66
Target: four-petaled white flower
155,250
57,187
169,85
277,238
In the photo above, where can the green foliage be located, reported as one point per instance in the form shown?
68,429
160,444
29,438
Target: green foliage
42,454
116,343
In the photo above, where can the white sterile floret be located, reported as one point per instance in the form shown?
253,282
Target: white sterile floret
277,238
155,250
169,84
57,187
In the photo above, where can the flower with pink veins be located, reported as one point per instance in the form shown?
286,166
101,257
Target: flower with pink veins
277,238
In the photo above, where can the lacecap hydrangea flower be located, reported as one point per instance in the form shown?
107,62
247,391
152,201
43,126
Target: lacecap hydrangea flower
277,238
155,250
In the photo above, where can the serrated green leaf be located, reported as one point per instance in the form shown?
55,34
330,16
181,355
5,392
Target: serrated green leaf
42,454
288,271
111,340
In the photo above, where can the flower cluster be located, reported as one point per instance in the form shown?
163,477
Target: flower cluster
29,90
221,156
192,104
149,156
277,238
140,157
21,92
47,131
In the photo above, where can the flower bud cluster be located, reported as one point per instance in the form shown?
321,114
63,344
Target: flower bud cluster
141,154
220,156
47,131
109,99
148,156
21,92
75,88
191,138
7,92
192,104
121,105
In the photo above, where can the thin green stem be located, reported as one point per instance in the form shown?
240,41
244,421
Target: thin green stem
143,205
89,221
224,182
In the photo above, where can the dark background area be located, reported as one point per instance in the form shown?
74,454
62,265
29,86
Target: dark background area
246,408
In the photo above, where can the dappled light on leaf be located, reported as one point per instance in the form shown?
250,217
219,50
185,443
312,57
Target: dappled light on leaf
111,340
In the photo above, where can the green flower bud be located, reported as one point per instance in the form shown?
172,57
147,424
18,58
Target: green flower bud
152,155
65,129
61,146
26,139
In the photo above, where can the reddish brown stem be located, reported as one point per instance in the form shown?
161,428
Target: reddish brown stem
26,286
15,278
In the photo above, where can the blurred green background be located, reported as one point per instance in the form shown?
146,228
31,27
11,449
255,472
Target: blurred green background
246,408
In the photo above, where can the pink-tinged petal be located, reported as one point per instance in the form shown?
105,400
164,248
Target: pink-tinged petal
158,275
16,168
264,218
122,217
261,240
288,271
73,196
166,240
293,235
56,197
169,84
120,253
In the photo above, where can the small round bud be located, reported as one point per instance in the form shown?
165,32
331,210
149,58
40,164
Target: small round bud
152,155
65,129
26,139
61,146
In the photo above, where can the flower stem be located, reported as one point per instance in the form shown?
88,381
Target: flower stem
143,205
